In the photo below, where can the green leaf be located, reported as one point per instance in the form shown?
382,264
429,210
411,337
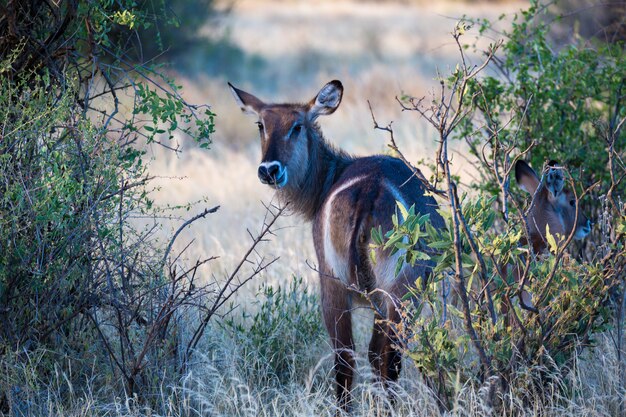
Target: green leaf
391,243
377,236
373,256
442,244
422,256
399,265
553,246
403,210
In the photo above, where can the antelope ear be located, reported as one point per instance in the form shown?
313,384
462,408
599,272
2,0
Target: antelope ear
247,102
327,100
526,177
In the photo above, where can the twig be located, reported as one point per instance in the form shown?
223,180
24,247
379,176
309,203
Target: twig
181,228
416,172
222,296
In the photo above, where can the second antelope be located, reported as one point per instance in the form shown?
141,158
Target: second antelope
553,205
554,208
344,197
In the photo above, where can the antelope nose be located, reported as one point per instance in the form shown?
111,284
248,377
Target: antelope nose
268,172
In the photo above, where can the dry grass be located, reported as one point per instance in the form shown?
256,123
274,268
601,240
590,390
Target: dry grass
217,387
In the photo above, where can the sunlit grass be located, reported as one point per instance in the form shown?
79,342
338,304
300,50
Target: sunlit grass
217,385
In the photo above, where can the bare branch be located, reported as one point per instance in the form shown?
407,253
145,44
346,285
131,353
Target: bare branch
416,172
181,228
227,289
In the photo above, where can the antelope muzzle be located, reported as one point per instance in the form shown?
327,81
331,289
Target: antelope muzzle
273,173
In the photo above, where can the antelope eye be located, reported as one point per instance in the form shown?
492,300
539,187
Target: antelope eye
259,125
572,203
297,129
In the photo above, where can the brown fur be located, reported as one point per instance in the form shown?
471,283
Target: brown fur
553,206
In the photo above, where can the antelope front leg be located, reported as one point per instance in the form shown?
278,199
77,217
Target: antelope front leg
338,319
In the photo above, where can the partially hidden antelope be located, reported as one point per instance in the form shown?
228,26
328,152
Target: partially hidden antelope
344,197
553,207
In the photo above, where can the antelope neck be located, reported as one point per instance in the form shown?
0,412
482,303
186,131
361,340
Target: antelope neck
326,164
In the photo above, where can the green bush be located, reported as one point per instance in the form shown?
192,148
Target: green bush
276,338
560,104
546,104
52,183
79,283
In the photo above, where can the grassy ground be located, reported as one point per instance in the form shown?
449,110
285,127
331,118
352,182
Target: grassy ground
222,384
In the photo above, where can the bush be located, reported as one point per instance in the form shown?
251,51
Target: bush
276,339
559,105
566,105
79,283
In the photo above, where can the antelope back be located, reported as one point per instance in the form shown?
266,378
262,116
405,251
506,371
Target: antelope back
363,198
554,206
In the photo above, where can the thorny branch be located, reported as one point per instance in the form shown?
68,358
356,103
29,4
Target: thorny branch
233,283
392,144
181,228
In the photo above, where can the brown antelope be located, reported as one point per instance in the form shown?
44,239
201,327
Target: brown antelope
553,205
344,197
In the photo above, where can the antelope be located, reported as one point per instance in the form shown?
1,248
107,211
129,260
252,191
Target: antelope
553,208
553,205
344,197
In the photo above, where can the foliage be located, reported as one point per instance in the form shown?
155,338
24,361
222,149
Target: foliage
49,200
170,114
162,30
86,292
559,104
567,105
80,282
276,337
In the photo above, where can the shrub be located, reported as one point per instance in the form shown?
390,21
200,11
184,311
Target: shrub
562,105
276,338
566,105
79,283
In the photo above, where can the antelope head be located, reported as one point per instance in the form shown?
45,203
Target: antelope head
287,133
554,205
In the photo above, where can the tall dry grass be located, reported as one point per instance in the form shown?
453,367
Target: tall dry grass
217,386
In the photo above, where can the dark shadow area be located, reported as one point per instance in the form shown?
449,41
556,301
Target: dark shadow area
603,21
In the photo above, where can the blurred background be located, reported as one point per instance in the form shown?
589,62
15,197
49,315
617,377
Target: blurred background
285,50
